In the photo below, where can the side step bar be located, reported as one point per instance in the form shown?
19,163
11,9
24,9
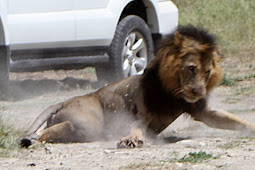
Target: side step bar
57,63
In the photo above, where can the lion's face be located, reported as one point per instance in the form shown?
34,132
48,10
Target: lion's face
194,76
192,71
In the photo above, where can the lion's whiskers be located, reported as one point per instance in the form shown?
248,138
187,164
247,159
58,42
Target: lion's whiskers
177,92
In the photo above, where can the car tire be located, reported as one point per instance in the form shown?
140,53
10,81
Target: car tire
130,51
4,64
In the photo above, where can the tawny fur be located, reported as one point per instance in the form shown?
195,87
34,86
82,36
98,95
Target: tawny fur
179,79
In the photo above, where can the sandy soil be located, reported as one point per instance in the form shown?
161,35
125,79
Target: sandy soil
230,150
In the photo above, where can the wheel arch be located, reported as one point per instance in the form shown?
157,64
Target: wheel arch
144,9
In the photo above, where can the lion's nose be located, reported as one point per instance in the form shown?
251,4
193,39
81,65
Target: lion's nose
199,91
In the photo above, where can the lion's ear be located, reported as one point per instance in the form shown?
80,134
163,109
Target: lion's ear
218,55
178,39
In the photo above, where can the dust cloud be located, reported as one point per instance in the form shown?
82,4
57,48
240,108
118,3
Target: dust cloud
118,125
16,90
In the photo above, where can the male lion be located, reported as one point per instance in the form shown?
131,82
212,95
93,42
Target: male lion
179,79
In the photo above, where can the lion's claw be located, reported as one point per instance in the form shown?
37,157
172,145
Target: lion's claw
130,142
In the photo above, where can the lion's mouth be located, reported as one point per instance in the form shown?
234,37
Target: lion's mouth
186,95
191,98
192,95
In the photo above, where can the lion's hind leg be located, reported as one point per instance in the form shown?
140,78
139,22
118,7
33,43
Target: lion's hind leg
61,132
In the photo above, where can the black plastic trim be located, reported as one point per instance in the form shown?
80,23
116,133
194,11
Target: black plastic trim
4,62
58,63
41,53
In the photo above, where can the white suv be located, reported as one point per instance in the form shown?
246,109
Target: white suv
114,36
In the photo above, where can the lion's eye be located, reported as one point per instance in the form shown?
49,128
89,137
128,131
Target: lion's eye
207,73
192,69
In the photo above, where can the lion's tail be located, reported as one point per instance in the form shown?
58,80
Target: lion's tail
42,118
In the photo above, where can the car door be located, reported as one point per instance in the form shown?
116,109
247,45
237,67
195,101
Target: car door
40,23
94,22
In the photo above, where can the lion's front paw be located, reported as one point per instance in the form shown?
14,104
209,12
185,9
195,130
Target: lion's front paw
130,142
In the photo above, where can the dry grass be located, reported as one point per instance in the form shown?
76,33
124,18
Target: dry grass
8,139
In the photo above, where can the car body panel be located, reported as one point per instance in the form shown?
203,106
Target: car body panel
167,24
40,27
74,23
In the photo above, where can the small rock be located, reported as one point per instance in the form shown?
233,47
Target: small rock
179,165
108,151
31,164
218,140
202,144
187,142
250,149
31,150
48,150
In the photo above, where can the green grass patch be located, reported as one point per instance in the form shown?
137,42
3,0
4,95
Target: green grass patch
89,70
148,165
248,77
230,145
196,157
236,142
8,140
227,81
252,66
245,91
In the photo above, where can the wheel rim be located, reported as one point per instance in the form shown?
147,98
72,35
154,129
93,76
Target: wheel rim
134,54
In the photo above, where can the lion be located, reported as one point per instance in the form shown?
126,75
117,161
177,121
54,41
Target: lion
179,80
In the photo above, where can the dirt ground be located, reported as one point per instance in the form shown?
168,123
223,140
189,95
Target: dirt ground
228,149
